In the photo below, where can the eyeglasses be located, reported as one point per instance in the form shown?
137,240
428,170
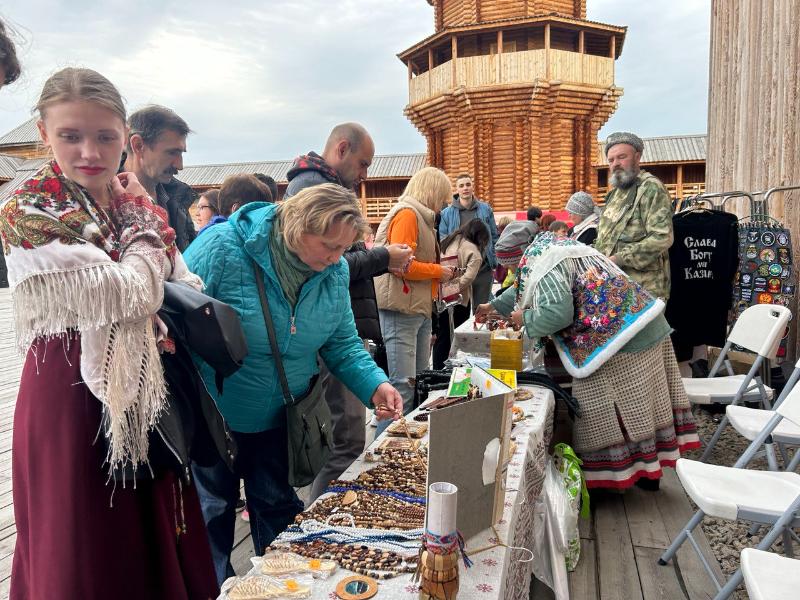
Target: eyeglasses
202,206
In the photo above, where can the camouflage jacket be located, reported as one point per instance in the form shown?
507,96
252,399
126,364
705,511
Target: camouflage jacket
636,228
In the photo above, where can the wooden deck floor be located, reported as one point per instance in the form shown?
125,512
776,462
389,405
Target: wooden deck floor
625,536
10,367
621,541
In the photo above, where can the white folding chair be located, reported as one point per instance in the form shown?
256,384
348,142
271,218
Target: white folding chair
734,493
758,329
769,576
748,422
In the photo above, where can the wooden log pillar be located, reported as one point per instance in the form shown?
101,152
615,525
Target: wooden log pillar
499,57
430,71
679,181
410,70
363,198
582,52
547,51
613,56
454,51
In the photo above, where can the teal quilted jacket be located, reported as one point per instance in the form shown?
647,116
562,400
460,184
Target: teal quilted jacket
252,400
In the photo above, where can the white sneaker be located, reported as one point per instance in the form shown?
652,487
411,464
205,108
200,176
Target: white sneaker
373,422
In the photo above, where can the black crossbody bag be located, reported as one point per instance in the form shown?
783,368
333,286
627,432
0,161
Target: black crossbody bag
308,418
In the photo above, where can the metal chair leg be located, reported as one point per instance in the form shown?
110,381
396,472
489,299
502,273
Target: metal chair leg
788,550
714,439
678,541
772,460
792,466
781,525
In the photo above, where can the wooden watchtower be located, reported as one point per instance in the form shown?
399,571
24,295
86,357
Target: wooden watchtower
514,92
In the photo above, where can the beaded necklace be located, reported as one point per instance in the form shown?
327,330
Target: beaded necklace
395,541
343,486
368,510
359,559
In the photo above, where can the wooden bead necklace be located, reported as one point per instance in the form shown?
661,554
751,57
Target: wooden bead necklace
359,559
369,510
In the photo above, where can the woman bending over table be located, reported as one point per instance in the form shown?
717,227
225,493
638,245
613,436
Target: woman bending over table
613,339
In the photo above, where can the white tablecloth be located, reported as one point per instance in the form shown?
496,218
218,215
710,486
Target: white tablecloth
496,573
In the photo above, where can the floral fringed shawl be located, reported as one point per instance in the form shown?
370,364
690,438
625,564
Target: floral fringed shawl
610,308
72,266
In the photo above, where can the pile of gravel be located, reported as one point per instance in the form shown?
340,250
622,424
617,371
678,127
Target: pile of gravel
728,538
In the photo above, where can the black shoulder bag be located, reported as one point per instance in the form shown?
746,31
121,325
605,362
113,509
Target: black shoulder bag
308,418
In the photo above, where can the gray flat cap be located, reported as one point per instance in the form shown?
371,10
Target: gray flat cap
580,203
624,137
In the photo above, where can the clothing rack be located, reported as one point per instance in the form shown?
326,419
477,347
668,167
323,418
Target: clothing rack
759,215
759,201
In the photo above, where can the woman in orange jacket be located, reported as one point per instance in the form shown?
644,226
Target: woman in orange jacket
404,299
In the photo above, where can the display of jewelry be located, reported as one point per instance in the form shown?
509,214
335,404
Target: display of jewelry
263,587
284,563
414,430
359,559
393,443
495,322
446,401
401,471
356,587
521,394
371,510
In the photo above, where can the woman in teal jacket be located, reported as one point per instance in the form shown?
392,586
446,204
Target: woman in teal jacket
298,245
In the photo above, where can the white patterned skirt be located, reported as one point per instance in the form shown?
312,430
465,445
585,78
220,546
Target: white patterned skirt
636,418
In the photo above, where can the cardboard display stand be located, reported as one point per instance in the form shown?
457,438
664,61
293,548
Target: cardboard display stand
458,440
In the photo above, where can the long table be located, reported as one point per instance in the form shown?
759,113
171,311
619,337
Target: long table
498,572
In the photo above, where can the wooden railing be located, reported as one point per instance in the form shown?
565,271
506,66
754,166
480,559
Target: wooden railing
687,189
376,208
514,67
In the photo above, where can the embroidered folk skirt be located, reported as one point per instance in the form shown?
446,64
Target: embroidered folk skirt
636,418
71,542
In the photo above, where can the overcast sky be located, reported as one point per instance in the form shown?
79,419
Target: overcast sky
267,79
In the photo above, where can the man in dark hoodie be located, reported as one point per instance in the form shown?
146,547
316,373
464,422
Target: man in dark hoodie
347,155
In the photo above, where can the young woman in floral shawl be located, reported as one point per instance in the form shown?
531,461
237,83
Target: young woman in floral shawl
88,252
613,339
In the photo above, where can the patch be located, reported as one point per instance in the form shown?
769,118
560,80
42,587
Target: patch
767,255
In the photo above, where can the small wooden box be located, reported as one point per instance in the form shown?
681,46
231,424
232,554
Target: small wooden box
506,353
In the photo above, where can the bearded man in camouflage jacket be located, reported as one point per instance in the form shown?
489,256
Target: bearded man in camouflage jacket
635,230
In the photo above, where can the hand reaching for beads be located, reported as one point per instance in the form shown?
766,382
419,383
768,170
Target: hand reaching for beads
388,402
400,256
483,311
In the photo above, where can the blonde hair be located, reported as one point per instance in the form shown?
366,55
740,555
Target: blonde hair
430,187
316,210
503,221
71,84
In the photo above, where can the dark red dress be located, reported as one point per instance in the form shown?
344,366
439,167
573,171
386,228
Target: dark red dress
71,543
